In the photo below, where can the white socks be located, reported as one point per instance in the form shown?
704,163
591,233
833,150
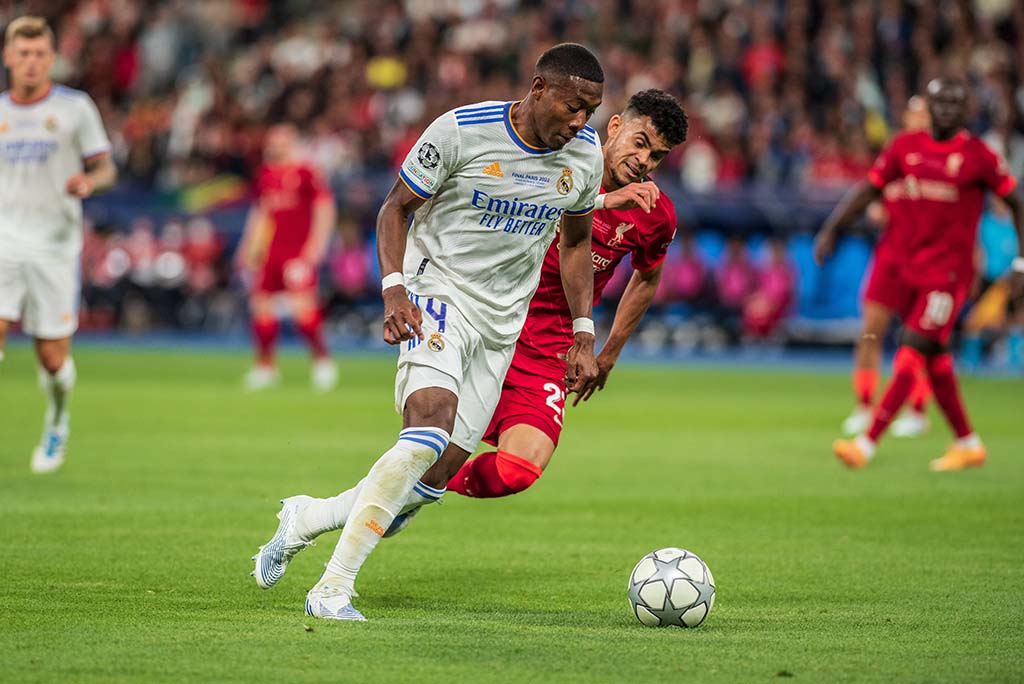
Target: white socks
58,393
867,446
381,496
971,441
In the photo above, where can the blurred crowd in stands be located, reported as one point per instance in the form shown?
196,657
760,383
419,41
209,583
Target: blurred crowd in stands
795,95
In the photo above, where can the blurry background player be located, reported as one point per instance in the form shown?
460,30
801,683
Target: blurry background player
285,240
528,419
998,309
881,302
946,173
53,152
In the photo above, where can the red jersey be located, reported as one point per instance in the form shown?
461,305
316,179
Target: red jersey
944,184
547,333
286,193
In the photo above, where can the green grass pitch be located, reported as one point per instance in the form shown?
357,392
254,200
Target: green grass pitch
132,563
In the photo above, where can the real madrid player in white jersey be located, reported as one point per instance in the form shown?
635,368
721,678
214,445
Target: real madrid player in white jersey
487,186
53,153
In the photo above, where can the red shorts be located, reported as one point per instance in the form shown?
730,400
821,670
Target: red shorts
292,275
532,394
886,285
932,311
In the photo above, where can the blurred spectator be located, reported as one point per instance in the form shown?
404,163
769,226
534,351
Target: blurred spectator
772,297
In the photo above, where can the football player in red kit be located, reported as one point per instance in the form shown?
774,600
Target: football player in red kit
632,218
945,174
285,240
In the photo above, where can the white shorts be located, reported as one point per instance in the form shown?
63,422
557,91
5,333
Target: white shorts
42,293
453,356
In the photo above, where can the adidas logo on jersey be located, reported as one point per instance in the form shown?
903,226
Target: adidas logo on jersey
494,170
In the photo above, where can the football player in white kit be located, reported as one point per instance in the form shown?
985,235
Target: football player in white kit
53,153
487,186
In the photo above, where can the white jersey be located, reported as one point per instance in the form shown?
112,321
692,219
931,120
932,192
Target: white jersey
494,203
42,145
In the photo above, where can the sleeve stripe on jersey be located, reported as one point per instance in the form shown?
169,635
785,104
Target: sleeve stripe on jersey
875,179
413,187
98,152
587,138
477,111
582,212
471,122
1007,186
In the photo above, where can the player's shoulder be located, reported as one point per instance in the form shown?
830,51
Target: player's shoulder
63,94
589,136
905,139
478,114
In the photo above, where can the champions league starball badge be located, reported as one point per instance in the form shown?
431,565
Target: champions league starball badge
428,155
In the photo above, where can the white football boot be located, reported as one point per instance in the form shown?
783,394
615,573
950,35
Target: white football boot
273,557
332,603
49,455
909,424
324,375
858,421
261,378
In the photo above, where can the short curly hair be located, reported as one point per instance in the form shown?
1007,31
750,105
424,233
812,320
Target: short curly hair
571,59
665,113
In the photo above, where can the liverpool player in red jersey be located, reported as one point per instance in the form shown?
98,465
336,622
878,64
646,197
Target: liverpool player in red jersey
881,302
635,220
285,239
945,175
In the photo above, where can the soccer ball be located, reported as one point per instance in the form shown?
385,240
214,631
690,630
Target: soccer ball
671,588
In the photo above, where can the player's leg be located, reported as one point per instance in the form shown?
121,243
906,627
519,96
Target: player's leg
51,318
265,331
4,325
309,322
867,364
523,453
12,297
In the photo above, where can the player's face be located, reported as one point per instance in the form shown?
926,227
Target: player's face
634,149
947,105
29,60
278,145
564,105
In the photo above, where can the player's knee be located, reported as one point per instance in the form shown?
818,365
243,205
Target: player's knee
51,357
434,406
516,472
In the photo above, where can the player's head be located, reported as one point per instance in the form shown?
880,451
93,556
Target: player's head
639,138
915,116
29,52
279,143
947,105
567,87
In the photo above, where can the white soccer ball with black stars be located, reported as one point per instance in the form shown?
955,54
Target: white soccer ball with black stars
671,588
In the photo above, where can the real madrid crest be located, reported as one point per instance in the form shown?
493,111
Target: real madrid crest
50,124
435,342
564,183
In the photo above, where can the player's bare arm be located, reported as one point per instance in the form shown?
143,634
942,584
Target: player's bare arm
578,282
848,209
402,318
245,253
1013,201
633,305
100,175
324,216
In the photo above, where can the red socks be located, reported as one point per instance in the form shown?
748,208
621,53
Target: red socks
494,474
907,366
947,393
865,382
921,393
265,332
312,331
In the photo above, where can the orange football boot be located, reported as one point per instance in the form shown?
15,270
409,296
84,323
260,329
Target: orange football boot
850,453
959,458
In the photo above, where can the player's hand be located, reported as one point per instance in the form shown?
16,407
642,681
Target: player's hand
402,318
824,245
604,367
581,366
79,185
644,195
